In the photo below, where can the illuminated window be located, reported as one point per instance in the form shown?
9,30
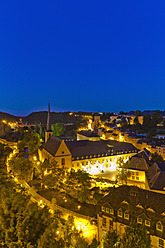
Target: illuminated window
126,215
103,208
159,226
104,222
63,161
120,213
139,220
111,211
107,210
147,223
111,224
161,243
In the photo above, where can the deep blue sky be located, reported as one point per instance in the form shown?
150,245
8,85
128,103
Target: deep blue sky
82,55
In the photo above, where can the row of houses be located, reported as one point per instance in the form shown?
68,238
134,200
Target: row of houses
111,131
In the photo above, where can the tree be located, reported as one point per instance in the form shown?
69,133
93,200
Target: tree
156,117
137,113
135,236
122,171
155,157
147,123
80,181
58,129
31,141
53,175
111,239
22,168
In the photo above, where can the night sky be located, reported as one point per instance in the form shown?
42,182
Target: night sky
89,55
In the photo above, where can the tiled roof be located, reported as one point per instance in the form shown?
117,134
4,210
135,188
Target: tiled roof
134,196
138,164
52,145
86,148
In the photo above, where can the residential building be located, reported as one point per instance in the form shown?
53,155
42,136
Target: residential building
125,204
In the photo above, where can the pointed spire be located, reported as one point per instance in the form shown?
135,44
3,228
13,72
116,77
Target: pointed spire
48,119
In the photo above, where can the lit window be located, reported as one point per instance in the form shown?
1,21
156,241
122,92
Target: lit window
147,223
126,215
161,243
111,211
103,208
107,210
120,213
104,222
139,220
159,226
111,224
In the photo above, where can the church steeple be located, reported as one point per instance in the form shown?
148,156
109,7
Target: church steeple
48,132
48,119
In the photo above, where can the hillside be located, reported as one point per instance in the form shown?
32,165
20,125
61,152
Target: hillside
8,117
41,117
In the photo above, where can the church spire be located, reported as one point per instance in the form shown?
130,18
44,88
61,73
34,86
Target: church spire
48,119
48,132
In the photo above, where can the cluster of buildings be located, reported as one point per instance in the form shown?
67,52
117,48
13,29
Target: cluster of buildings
141,200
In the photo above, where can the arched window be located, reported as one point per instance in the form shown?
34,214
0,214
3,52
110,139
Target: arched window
63,161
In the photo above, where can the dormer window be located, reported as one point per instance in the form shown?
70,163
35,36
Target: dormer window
147,223
120,213
126,215
139,220
111,211
107,210
102,208
159,226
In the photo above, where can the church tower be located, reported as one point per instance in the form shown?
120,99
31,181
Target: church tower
48,132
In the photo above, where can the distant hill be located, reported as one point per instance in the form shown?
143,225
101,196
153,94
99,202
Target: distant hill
41,117
8,117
